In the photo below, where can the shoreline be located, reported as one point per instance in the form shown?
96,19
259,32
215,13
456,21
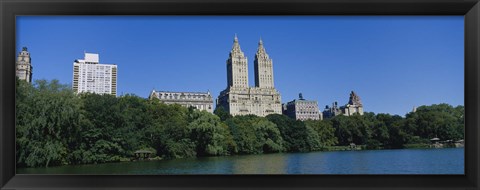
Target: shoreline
327,149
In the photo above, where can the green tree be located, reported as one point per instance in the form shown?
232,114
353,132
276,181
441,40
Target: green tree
208,134
436,121
353,129
325,132
268,135
222,113
47,124
254,135
169,133
297,136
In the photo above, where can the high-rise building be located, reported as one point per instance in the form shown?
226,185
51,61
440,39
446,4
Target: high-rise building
301,109
263,68
197,100
237,67
91,76
24,65
240,99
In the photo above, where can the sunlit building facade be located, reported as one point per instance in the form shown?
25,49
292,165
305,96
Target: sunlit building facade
24,65
240,99
197,100
89,76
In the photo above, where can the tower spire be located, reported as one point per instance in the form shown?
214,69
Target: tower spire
263,67
237,67
261,50
236,50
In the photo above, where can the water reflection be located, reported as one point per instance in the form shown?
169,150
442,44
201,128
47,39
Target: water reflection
407,161
260,164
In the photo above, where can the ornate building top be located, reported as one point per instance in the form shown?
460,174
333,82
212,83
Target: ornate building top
241,99
261,52
24,55
24,65
236,50
354,99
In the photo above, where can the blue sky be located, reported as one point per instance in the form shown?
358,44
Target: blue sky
392,62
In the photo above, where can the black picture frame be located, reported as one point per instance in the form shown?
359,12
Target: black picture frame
9,9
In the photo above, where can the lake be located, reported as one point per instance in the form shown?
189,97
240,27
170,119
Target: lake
399,161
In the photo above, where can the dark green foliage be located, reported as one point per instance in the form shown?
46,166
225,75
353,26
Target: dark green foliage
222,113
254,135
325,132
354,129
210,136
48,123
56,127
298,137
437,121
386,131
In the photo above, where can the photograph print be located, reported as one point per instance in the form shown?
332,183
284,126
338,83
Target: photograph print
162,95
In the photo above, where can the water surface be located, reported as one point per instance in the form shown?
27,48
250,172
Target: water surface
401,161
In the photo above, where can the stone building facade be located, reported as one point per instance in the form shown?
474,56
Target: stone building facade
354,106
24,65
302,109
91,76
331,111
197,100
240,99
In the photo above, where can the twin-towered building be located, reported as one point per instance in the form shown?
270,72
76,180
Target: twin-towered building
241,99
237,99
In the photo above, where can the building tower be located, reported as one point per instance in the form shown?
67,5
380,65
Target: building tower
354,105
240,99
237,68
24,65
92,77
263,68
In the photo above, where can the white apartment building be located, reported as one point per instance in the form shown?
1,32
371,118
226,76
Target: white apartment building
91,76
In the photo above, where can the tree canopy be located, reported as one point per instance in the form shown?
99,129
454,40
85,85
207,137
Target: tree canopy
54,126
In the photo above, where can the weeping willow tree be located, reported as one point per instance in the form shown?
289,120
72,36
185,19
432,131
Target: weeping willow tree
48,122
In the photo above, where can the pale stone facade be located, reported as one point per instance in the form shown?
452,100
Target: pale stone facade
263,68
354,106
24,65
91,76
240,99
302,109
197,100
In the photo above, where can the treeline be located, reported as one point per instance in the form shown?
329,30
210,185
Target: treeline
56,127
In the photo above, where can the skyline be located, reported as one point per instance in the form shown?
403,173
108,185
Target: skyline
386,54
